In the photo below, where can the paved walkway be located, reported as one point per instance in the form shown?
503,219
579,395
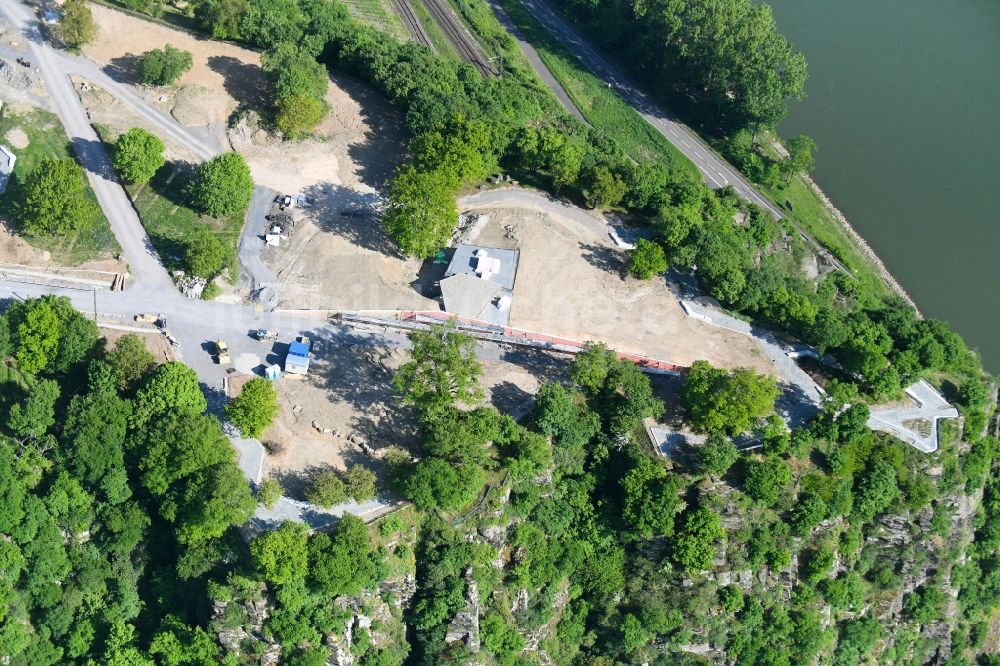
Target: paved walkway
930,408
916,425
531,55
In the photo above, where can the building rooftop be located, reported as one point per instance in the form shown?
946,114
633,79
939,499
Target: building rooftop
298,349
479,283
7,160
468,296
487,263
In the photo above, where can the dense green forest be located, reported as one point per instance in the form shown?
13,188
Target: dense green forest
560,539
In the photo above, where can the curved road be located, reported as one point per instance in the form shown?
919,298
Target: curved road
716,171
147,273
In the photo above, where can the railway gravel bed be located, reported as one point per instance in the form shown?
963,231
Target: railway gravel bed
468,48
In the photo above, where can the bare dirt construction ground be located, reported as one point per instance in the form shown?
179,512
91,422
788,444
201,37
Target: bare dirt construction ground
570,284
346,411
156,343
221,78
340,256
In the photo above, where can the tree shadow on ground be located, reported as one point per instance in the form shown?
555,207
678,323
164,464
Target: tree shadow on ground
171,181
794,405
509,398
353,368
214,395
604,258
353,215
543,366
296,482
243,82
384,146
92,156
124,69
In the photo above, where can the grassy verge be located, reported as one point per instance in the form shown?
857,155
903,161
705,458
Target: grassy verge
378,14
169,16
170,223
444,47
802,205
601,106
46,139
816,219
494,40
396,532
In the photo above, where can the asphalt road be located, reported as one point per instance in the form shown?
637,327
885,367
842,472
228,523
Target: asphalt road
142,257
531,55
717,172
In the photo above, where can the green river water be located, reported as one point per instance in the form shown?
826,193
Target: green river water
904,104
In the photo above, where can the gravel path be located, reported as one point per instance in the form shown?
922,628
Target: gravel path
260,280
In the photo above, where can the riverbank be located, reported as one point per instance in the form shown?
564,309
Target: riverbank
862,244
806,203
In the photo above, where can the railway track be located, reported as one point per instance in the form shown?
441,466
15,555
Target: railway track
467,47
413,24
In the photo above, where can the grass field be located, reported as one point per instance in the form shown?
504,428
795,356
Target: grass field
170,223
46,139
602,107
378,14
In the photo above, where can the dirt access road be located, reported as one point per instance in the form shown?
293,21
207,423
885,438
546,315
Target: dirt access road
143,260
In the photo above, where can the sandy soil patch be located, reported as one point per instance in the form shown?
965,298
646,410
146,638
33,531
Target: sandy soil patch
156,343
17,138
569,283
16,250
230,75
338,263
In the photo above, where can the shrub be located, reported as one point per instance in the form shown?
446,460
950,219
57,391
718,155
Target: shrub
298,114
161,67
77,26
205,255
646,260
254,408
327,489
359,483
269,493
222,186
53,199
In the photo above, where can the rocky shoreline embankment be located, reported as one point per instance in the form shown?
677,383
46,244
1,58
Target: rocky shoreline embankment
862,244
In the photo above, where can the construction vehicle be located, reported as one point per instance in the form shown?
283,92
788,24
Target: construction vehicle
222,352
265,334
